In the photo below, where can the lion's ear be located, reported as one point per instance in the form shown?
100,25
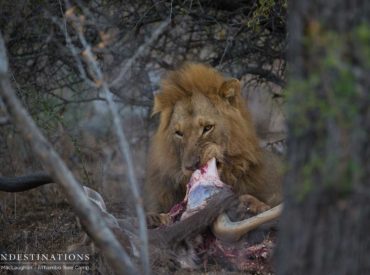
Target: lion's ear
230,90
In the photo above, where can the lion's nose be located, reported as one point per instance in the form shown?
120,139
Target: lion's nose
193,164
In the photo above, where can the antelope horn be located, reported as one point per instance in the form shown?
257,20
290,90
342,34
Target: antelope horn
23,183
227,230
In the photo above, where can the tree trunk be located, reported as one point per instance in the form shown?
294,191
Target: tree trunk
325,227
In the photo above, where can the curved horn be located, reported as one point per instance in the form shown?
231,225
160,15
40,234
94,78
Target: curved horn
227,230
23,183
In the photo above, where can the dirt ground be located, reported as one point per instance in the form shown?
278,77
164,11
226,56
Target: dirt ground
30,223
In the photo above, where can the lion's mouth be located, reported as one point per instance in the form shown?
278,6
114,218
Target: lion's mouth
219,166
188,172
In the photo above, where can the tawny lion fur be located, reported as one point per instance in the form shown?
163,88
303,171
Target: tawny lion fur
203,115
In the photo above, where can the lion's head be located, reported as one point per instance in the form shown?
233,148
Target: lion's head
202,115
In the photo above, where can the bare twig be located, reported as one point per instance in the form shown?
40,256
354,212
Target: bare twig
3,59
91,219
75,53
123,143
140,51
266,74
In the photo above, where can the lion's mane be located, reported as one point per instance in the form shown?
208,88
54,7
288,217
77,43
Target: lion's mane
243,158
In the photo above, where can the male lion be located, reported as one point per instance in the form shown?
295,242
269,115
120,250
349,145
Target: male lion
203,115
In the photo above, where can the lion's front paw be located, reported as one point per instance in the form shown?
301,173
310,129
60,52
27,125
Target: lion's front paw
155,220
252,204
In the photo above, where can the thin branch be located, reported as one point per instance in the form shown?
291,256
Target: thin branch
124,149
140,51
266,74
93,222
75,52
123,143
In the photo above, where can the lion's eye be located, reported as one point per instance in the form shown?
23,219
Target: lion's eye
179,134
207,128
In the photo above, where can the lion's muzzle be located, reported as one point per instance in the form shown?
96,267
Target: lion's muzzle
199,155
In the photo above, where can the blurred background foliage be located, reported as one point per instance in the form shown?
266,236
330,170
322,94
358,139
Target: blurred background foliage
327,102
244,39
